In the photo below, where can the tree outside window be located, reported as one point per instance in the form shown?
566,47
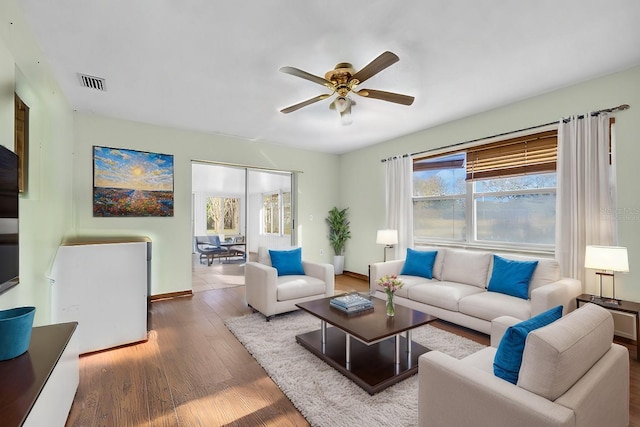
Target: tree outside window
223,215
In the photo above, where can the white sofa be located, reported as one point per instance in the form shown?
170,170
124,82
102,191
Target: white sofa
572,374
458,291
271,294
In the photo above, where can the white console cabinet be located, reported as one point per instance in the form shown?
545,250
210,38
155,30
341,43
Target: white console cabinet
103,286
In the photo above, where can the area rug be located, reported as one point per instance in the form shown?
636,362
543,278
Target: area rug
323,395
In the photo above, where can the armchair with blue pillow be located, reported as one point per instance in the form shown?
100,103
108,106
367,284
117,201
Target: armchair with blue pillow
280,279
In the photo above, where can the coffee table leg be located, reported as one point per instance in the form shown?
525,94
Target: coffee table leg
323,335
347,357
409,340
397,354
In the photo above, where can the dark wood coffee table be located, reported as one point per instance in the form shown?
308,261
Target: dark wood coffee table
379,356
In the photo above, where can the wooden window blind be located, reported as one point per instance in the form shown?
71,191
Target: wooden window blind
439,162
535,153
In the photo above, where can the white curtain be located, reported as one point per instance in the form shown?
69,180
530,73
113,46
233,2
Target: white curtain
399,206
585,191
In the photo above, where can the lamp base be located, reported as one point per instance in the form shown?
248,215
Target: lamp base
612,302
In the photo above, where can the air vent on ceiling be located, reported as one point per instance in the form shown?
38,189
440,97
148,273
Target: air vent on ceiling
92,82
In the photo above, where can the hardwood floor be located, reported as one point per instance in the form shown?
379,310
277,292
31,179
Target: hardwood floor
193,372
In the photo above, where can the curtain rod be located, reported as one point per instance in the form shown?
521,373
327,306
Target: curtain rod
565,120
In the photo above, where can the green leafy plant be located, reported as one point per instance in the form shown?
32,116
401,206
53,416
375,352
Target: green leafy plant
338,229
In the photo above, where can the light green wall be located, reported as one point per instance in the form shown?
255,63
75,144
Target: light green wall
362,173
45,209
7,77
171,265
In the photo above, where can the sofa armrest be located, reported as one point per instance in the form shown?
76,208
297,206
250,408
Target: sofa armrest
563,292
379,269
261,283
453,393
323,272
499,326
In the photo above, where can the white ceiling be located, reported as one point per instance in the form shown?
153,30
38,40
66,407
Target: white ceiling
212,66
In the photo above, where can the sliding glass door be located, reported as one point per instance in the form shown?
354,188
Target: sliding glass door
255,206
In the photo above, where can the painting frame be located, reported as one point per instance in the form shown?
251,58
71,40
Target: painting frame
132,183
21,141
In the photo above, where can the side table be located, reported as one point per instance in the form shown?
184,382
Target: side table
629,307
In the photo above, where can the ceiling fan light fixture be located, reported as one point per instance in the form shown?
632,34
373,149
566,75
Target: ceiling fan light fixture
342,103
346,118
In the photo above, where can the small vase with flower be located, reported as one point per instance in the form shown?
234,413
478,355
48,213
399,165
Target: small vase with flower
390,284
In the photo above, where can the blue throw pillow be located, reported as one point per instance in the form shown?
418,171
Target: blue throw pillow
508,358
511,277
419,263
287,262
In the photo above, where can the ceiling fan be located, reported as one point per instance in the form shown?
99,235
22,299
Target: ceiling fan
343,80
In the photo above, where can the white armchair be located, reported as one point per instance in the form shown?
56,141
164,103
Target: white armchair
271,294
572,374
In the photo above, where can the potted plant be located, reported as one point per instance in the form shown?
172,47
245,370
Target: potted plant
338,235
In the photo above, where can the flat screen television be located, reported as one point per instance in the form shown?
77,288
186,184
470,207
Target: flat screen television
9,194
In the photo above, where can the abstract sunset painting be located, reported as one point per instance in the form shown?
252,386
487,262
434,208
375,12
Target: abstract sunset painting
131,183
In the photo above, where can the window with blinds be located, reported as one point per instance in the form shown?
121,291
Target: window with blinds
497,193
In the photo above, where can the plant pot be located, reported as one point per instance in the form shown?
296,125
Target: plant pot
338,264
15,331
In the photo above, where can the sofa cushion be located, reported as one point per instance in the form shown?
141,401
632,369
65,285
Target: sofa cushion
557,356
489,305
511,277
442,294
547,271
287,262
407,283
293,287
508,358
468,267
419,263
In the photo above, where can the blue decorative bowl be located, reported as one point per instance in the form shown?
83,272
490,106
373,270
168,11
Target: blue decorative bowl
15,331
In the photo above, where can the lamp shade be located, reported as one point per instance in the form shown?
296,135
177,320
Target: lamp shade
613,258
387,237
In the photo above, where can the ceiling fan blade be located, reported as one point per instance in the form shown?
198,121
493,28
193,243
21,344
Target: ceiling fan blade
374,67
304,75
386,96
305,103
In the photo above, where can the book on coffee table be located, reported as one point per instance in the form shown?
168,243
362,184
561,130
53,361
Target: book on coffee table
350,300
351,303
354,309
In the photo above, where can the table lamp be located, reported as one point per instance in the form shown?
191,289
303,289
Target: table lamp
607,259
387,238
